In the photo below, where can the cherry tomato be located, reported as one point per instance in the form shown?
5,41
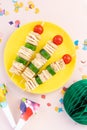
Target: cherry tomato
57,39
38,29
67,58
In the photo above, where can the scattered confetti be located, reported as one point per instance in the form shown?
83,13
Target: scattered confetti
76,42
43,96
83,62
64,88
48,104
61,100
17,6
37,10
60,109
84,76
2,12
6,13
31,5
56,109
62,92
17,23
26,8
85,41
85,45
11,22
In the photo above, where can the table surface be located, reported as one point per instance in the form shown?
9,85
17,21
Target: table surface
71,15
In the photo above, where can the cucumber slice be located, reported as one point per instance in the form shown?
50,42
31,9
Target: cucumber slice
45,54
33,68
38,80
21,60
50,70
30,46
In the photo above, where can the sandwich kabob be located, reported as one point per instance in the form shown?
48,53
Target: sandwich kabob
42,57
29,69
26,52
47,73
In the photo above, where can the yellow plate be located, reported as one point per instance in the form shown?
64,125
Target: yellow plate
17,39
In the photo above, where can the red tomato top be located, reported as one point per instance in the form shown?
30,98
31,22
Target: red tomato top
67,58
58,39
38,29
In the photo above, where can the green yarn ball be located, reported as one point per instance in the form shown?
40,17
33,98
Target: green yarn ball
75,101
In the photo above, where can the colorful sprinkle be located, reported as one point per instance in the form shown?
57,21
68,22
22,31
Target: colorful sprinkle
76,42
58,109
6,13
17,23
17,6
31,5
61,100
37,10
48,104
2,12
84,76
43,96
11,22
62,92
26,8
76,47
85,41
85,45
64,88
83,62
